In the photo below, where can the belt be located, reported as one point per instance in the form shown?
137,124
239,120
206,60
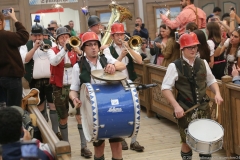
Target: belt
67,65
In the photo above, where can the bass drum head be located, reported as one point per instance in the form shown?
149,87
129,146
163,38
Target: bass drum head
205,130
86,112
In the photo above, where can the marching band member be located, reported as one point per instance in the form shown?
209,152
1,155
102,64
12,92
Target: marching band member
46,35
62,61
91,61
11,66
190,76
119,51
95,25
37,68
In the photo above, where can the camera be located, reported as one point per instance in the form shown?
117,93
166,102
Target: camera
232,9
176,36
213,19
136,24
5,11
29,150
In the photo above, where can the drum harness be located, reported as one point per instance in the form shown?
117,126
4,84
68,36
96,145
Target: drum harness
191,79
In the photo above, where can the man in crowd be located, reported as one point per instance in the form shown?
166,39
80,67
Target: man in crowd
216,12
10,132
46,35
71,24
189,75
11,66
37,67
91,46
139,28
190,13
118,50
62,59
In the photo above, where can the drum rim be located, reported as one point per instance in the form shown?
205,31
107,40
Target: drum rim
195,120
93,102
136,109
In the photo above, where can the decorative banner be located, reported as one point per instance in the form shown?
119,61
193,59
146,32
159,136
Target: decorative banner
39,2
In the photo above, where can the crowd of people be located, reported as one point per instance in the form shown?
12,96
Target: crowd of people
207,46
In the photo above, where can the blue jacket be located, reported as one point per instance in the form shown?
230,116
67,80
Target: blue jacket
12,151
142,33
236,80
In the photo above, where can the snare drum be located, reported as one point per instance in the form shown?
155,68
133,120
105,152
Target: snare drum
204,136
109,111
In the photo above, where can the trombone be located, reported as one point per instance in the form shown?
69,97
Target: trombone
134,42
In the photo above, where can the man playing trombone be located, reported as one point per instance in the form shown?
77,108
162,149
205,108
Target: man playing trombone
62,58
121,51
37,69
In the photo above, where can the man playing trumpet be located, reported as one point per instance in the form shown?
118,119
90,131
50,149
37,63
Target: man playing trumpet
62,58
37,67
122,52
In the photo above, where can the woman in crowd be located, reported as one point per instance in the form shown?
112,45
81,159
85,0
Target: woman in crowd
170,48
145,52
214,38
203,47
230,51
154,50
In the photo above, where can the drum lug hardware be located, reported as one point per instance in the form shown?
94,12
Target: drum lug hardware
131,123
102,126
125,84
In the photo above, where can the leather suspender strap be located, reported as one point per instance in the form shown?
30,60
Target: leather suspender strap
195,14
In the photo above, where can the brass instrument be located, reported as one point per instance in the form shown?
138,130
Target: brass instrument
119,14
134,42
52,38
74,41
44,47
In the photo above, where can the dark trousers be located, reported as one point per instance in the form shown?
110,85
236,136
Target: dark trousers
11,90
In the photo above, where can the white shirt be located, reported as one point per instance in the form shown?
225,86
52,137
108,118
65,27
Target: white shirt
172,75
55,59
211,47
41,67
75,86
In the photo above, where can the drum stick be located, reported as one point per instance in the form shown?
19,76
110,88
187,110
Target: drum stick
217,112
190,109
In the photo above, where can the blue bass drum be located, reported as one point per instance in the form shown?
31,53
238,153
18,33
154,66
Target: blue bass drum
109,111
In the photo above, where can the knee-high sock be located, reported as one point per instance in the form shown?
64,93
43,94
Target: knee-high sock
133,139
64,131
82,136
54,120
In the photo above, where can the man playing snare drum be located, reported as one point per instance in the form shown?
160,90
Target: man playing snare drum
189,75
82,74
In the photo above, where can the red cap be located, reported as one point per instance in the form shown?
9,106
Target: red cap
188,39
117,28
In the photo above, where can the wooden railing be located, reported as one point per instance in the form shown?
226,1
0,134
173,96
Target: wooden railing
228,112
60,149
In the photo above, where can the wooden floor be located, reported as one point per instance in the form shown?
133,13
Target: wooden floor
159,137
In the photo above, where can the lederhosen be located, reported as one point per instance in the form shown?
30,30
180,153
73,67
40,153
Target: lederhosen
191,87
85,77
41,84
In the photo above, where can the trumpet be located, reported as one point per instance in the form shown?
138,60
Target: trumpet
44,47
74,41
134,42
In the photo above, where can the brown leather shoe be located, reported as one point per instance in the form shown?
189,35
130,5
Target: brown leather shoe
59,136
124,145
136,146
85,152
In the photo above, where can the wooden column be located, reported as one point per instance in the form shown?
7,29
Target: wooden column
226,117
